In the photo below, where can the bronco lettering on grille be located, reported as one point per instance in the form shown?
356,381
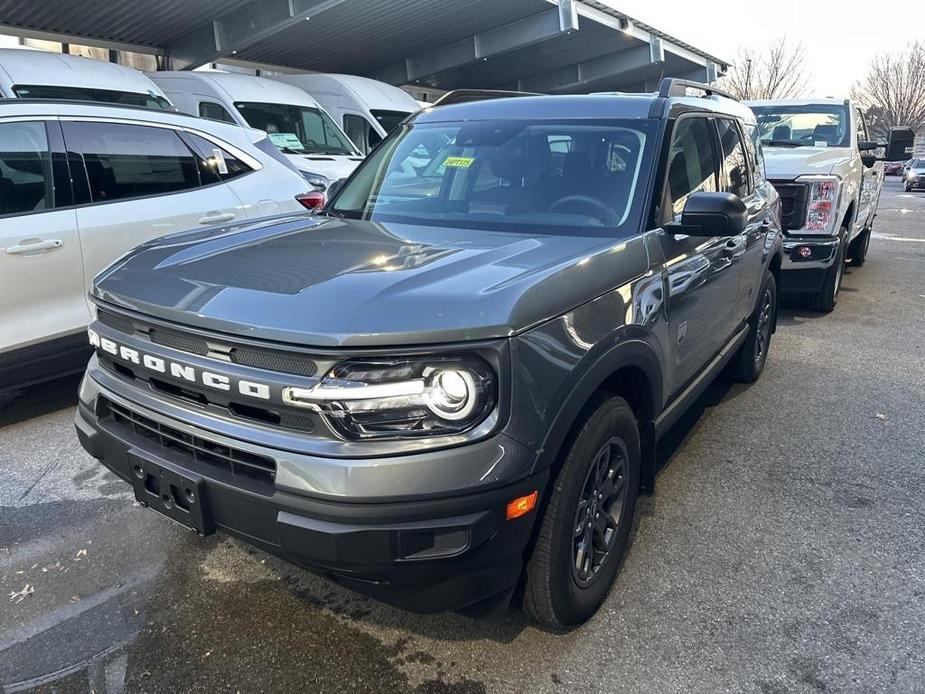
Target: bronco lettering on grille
177,370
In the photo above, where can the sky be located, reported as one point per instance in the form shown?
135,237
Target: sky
840,37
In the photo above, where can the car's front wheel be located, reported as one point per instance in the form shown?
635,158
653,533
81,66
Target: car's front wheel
825,300
752,355
585,530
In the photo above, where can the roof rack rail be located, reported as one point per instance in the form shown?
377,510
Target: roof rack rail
673,86
461,96
89,102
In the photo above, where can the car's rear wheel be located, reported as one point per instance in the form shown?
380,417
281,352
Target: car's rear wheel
859,248
826,299
752,355
585,530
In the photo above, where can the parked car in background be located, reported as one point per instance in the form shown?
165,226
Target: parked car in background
366,109
32,74
820,159
292,119
893,168
915,175
82,184
454,377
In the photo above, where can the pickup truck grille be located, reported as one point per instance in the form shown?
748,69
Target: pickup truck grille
197,450
793,199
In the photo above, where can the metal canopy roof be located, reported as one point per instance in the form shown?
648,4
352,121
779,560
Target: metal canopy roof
566,46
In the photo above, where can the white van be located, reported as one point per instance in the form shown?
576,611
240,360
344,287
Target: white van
293,120
366,109
27,73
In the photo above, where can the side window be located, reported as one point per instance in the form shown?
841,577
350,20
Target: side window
213,111
132,161
25,169
755,153
735,170
357,130
691,163
861,126
215,164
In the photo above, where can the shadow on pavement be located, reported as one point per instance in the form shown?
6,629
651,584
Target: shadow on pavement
41,399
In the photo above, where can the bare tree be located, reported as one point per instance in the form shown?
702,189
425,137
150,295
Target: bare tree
893,91
777,71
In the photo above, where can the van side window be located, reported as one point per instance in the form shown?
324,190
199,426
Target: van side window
132,161
735,170
25,169
213,111
358,130
692,164
215,164
755,153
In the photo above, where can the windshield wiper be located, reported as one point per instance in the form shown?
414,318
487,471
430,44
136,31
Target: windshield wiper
781,143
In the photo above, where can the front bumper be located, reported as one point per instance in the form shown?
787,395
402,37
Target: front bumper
805,263
425,554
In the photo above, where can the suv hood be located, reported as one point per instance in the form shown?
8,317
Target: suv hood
332,166
786,163
327,282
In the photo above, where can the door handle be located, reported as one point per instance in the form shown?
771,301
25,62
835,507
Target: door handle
216,218
34,246
734,247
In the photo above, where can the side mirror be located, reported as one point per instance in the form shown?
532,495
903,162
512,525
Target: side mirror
711,214
868,160
900,145
867,145
335,187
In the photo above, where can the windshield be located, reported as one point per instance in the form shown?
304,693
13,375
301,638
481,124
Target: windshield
109,96
542,176
389,120
812,125
296,129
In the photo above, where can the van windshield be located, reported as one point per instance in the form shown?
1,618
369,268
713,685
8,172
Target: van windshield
802,125
109,96
389,120
296,129
544,176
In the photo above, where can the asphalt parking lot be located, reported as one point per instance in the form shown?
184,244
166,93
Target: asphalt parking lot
783,551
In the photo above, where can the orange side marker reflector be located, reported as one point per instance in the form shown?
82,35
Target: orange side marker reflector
522,505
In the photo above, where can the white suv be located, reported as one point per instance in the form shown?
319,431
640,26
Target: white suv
81,184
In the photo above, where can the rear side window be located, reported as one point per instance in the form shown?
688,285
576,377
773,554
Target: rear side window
213,111
132,161
215,163
109,96
25,169
692,164
735,171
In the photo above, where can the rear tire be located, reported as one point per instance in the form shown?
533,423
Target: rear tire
827,298
859,249
564,584
753,354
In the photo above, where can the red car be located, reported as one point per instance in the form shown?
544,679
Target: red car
893,168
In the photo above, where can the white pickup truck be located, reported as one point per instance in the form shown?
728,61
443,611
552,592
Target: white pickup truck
819,157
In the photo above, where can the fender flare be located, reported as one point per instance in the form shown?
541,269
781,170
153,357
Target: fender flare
631,352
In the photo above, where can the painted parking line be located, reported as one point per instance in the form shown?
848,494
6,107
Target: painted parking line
886,237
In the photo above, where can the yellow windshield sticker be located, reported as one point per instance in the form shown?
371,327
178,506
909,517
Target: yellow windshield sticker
459,162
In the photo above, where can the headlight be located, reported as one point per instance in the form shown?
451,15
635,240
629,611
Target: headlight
317,181
822,206
401,398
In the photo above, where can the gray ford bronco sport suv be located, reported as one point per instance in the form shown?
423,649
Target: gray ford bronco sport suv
445,389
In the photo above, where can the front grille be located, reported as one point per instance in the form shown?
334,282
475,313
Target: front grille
200,451
793,199
278,360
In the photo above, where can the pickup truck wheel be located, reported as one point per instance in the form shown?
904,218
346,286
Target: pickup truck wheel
752,355
825,300
858,252
585,530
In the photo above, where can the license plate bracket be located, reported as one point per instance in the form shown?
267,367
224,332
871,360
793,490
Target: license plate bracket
170,491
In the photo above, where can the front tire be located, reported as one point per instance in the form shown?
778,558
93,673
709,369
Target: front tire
859,250
827,298
584,533
753,354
